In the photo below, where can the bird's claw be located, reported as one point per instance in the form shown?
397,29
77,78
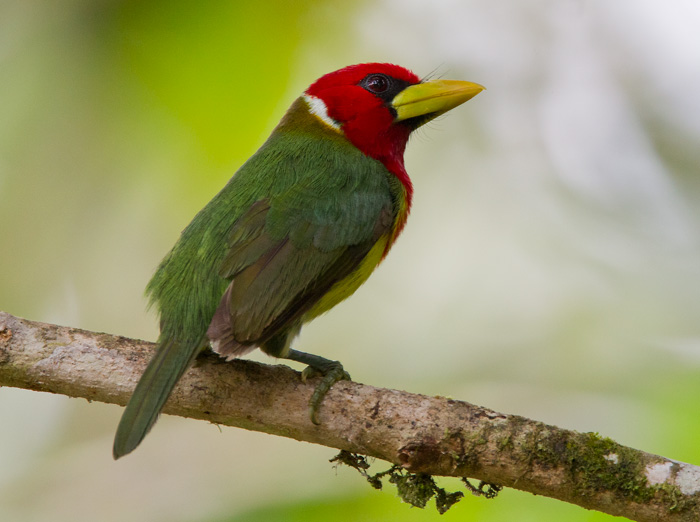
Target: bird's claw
331,374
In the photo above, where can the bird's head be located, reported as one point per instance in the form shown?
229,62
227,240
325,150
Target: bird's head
377,105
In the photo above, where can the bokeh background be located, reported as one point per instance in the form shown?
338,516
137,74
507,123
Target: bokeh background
550,267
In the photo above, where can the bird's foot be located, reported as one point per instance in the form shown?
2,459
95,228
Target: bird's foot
332,374
329,371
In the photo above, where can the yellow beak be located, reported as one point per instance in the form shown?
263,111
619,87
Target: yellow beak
432,98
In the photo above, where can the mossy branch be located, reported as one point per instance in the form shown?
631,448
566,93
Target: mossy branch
419,434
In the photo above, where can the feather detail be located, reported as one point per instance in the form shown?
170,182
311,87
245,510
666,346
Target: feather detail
318,108
220,331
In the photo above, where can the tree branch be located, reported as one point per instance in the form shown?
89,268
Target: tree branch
431,435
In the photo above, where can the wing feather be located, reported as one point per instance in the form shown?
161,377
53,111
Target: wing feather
283,258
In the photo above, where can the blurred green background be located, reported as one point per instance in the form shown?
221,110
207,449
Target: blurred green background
550,268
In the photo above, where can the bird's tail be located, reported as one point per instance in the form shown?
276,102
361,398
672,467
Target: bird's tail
167,366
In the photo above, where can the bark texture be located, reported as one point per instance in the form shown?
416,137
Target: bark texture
432,435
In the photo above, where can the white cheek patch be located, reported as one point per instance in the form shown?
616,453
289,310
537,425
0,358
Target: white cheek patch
319,109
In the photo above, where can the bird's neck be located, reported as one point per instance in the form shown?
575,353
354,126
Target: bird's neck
387,148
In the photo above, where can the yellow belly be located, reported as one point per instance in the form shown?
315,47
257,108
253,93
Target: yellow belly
346,287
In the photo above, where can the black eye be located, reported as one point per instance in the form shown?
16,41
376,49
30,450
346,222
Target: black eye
383,86
376,83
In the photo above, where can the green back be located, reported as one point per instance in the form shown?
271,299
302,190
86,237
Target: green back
306,185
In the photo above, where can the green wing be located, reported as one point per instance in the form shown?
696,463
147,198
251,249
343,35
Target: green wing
288,250
297,218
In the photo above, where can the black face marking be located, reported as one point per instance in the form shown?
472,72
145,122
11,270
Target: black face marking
383,86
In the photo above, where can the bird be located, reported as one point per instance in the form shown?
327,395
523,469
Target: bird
296,230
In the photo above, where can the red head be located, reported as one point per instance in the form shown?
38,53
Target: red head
358,99
377,105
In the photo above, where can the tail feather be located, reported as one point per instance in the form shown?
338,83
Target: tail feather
162,374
